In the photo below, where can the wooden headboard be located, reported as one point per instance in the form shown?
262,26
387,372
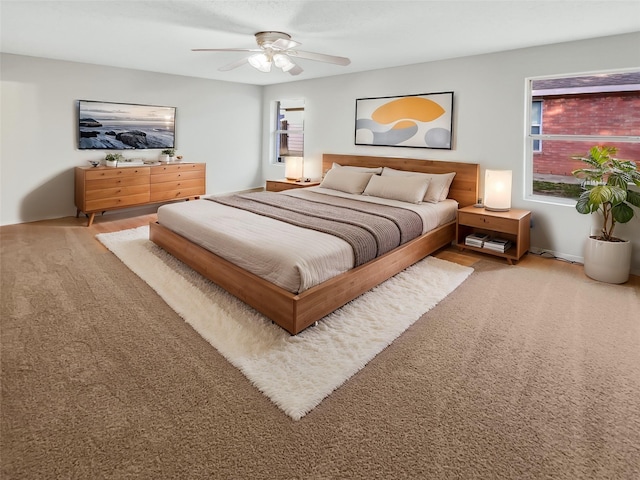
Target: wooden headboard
464,188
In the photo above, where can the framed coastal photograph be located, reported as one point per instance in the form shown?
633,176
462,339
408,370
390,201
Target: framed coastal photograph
420,121
123,126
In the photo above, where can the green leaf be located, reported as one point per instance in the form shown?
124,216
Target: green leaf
618,195
583,205
600,194
622,213
633,198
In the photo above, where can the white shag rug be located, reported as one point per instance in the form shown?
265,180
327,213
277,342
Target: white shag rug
295,372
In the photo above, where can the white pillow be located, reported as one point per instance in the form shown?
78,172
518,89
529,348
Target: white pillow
346,180
438,187
404,188
376,170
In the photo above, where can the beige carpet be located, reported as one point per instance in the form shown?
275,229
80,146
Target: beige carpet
523,372
295,372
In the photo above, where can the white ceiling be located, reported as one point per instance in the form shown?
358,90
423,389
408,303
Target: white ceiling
158,35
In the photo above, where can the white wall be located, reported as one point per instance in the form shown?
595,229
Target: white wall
219,123
227,125
489,109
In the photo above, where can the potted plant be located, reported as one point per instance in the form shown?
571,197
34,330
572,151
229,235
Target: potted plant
606,192
112,159
167,155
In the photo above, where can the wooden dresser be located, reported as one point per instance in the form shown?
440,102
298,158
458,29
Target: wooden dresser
101,189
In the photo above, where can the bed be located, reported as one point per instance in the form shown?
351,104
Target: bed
295,306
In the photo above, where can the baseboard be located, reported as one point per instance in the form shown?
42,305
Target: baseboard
567,258
559,255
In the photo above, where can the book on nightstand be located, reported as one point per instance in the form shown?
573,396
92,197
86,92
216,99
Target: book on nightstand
497,244
476,239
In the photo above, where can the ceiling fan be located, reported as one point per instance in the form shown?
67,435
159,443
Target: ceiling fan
275,48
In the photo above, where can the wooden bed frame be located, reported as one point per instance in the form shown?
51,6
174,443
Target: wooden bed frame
295,312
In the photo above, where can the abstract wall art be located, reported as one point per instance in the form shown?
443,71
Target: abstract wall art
421,121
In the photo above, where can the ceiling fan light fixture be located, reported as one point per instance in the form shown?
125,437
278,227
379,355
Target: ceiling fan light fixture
260,61
278,48
283,62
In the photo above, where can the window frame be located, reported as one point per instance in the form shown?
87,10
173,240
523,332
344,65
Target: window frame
530,138
296,104
538,124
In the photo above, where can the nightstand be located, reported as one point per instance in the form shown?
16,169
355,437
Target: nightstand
514,225
284,184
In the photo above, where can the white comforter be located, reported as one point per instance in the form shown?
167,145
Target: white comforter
291,257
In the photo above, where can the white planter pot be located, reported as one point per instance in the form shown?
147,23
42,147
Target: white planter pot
110,163
607,261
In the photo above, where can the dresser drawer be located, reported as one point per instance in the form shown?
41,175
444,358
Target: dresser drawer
120,191
101,173
165,195
116,202
497,224
113,182
177,185
175,176
182,167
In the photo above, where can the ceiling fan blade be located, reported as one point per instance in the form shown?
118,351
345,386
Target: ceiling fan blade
232,65
226,50
320,57
284,44
297,70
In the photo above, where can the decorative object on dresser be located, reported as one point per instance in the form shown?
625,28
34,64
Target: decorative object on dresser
284,184
505,234
497,190
102,189
606,183
424,120
112,159
167,155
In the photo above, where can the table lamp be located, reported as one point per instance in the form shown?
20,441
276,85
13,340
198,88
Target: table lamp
497,190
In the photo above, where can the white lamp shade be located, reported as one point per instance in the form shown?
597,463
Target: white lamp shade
260,61
283,62
293,167
497,190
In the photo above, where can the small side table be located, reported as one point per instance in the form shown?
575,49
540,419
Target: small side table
514,225
284,184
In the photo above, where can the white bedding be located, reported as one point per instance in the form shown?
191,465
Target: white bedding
291,257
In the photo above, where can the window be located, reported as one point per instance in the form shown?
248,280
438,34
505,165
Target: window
571,114
289,130
536,123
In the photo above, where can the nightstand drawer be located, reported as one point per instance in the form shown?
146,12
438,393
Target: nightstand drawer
281,185
505,225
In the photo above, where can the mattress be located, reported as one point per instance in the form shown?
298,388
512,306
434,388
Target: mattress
288,256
